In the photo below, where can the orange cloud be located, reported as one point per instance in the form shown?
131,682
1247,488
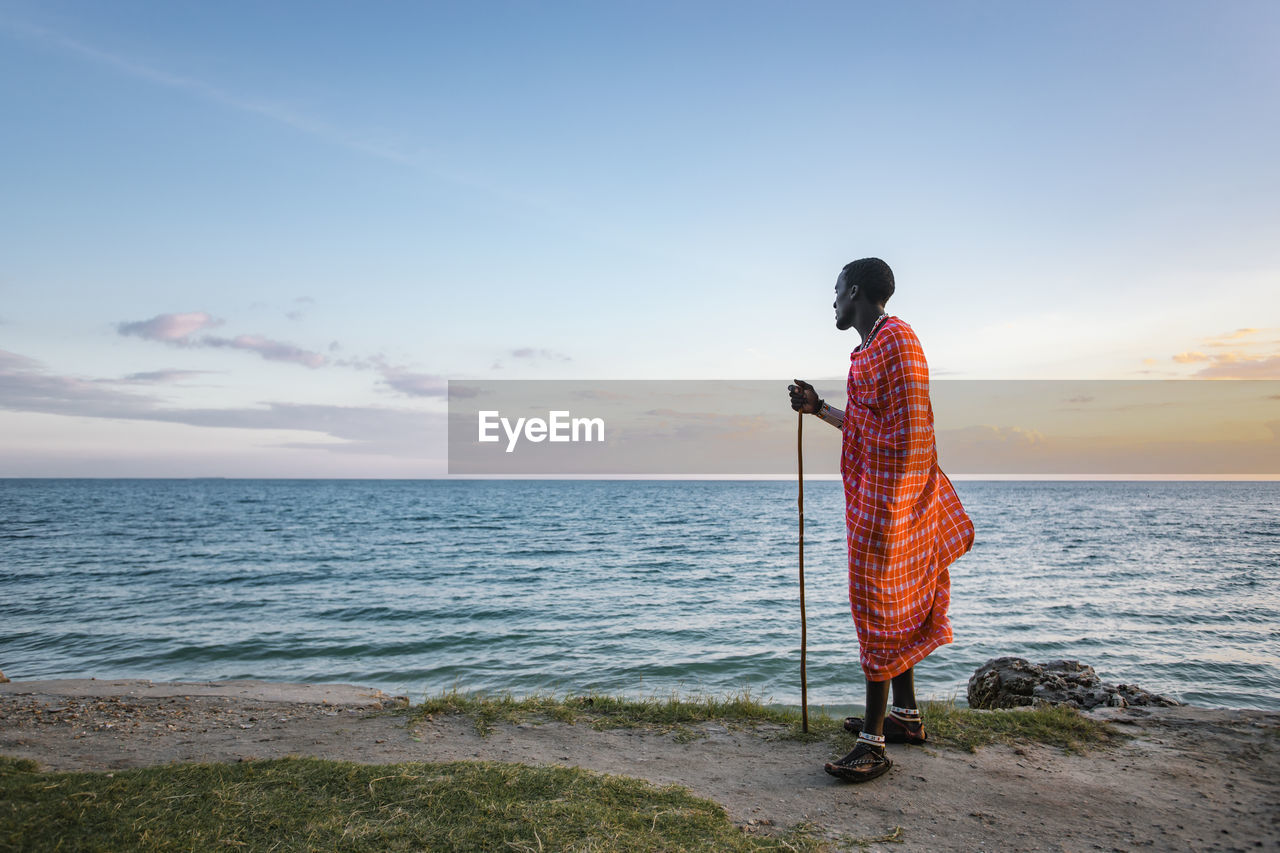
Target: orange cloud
1230,339
1234,365
1250,356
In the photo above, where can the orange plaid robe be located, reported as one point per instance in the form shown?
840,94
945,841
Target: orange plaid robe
903,520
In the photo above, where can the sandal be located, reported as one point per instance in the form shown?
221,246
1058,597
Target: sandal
895,731
862,765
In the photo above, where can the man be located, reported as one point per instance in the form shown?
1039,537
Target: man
904,524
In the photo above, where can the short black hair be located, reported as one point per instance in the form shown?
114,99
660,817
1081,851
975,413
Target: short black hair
873,276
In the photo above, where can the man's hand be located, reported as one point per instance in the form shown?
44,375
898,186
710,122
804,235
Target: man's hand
803,397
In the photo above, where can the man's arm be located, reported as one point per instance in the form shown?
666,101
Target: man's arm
805,399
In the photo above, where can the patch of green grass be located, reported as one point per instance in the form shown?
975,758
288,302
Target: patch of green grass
17,765
485,710
969,729
947,724
669,712
309,804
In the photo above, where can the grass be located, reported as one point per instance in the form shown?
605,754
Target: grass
1059,726
671,712
309,804
947,724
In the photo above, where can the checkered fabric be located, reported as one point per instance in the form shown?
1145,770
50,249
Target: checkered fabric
904,523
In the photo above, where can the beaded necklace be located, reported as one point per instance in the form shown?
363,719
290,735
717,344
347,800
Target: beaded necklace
871,334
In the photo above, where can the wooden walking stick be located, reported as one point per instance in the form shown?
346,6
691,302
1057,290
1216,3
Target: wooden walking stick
804,632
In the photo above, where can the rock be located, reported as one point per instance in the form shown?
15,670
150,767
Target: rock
3,680
1012,682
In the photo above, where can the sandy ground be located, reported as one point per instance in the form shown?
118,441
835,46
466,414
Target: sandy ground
1187,779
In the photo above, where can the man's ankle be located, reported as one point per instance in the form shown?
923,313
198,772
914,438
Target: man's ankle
872,741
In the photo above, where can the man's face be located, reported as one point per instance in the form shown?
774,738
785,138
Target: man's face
844,302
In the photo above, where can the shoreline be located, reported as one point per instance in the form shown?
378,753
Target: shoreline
1182,777
246,689
265,689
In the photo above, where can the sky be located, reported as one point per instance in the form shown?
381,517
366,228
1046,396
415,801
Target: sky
258,239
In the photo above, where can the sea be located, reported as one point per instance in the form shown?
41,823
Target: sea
639,588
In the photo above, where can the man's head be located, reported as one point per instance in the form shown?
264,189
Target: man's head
864,284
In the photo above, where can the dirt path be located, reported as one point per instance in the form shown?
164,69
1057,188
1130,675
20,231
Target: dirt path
1188,779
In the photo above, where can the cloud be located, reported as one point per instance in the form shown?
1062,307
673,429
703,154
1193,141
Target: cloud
178,330
268,349
415,384
299,313
463,392
1240,366
397,377
376,362
400,377
989,436
1231,338
162,376
169,328
533,354
1251,356
13,361
25,386
676,413
597,394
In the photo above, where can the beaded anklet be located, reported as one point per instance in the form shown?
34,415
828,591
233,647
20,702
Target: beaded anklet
874,741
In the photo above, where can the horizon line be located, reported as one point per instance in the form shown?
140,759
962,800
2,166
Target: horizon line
1126,478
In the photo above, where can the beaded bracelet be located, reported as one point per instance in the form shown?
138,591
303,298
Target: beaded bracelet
828,414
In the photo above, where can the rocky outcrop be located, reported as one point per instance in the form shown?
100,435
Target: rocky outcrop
1012,682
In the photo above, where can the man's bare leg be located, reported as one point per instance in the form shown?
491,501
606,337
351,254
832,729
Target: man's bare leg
904,696
904,689
877,701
